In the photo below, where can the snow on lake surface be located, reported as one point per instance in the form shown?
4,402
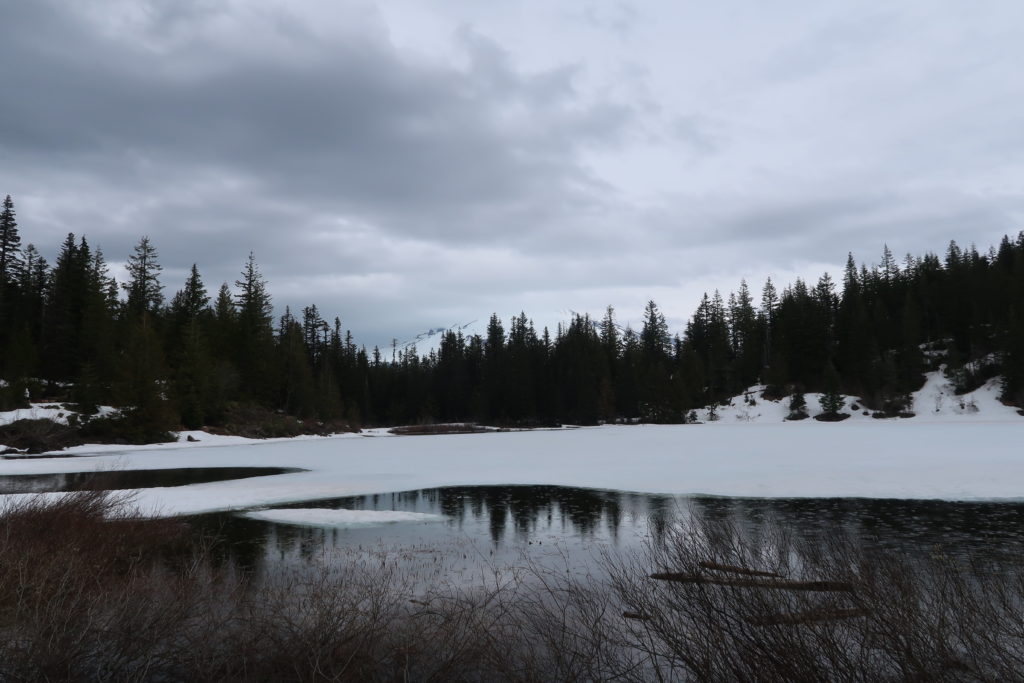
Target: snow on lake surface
957,448
328,517
879,459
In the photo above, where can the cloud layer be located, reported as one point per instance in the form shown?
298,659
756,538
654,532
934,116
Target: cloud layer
406,168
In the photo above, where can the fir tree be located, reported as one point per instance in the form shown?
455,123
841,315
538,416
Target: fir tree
145,293
831,399
654,336
192,299
254,342
12,267
253,301
797,405
147,415
769,302
11,261
890,271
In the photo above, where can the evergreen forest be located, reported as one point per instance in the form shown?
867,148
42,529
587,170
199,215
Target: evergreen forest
202,357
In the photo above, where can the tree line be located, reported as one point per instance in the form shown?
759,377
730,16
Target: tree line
189,360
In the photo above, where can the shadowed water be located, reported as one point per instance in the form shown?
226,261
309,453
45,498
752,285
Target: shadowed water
114,480
485,527
500,526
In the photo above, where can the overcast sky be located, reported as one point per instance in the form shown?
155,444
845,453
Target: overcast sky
409,164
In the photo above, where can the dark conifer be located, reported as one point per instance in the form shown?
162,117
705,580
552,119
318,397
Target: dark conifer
145,293
831,399
11,260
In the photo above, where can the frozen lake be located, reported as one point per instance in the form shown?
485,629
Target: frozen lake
874,459
465,504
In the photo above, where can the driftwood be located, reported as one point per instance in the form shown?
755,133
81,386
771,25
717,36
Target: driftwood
737,570
823,586
808,616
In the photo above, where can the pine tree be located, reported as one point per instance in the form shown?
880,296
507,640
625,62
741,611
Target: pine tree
253,301
654,385
35,279
254,342
192,387
493,371
297,386
11,262
197,395
769,302
314,332
18,363
145,293
1013,361
831,399
67,292
797,404
746,337
147,415
627,381
97,338
610,335
890,271
190,301
11,271
654,337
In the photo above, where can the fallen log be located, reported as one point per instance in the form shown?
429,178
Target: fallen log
732,569
784,584
808,616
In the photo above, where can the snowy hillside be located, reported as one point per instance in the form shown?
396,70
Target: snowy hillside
56,412
934,402
430,340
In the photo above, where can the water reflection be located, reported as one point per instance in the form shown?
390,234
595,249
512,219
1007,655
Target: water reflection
502,525
959,527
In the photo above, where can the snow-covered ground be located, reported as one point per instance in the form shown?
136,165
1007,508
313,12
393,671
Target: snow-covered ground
950,450
46,411
934,402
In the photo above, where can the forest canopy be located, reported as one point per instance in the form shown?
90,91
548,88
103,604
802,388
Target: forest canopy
199,356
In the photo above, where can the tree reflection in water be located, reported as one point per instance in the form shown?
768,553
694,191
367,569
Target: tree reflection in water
494,524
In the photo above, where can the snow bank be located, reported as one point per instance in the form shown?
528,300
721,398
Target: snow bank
339,518
936,401
46,411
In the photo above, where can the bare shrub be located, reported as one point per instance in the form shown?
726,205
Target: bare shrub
841,612
88,591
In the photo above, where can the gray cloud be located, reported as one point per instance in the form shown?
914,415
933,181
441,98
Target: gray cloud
481,161
349,127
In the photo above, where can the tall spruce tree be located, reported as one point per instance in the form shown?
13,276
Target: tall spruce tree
145,293
11,261
255,342
67,293
655,386
11,270
191,300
